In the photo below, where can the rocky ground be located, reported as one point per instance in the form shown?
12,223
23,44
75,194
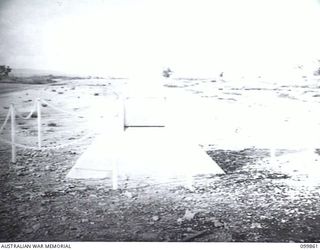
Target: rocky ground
250,203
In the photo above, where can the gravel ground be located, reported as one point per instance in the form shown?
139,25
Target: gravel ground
247,204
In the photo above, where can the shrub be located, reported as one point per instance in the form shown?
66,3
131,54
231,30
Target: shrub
4,71
167,73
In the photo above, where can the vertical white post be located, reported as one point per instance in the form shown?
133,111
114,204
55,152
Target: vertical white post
119,130
13,132
122,110
123,113
39,122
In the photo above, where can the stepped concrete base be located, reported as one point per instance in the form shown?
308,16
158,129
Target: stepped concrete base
143,151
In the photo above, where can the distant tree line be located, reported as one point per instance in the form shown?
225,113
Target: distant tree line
4,71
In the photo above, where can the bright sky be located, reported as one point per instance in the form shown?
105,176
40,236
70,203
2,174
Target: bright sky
193,37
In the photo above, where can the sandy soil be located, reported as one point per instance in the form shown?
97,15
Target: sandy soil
254,202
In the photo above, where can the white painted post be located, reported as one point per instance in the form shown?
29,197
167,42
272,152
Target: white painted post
122,110
120,125
13,131
39,121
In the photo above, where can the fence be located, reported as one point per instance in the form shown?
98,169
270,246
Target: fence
36,108
13,114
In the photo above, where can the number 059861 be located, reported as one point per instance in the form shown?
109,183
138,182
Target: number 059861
308,245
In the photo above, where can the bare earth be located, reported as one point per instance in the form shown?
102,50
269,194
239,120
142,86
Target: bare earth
251,203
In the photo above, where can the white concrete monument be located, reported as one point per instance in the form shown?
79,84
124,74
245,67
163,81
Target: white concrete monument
142,141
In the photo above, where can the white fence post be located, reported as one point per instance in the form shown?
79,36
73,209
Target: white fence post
39,121
122,115
120,126
13,132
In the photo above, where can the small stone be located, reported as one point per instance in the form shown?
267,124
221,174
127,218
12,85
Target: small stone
20,167
215,222
84,220
81,189
188,215
52,124
188,198
99,212
155,218
256,225
128,194
28,231
36,227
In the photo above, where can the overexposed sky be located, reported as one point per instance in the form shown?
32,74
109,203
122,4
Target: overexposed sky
194,37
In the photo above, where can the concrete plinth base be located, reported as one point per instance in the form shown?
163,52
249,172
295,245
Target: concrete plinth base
143,151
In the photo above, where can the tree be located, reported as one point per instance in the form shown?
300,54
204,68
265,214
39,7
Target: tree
167,73
4,71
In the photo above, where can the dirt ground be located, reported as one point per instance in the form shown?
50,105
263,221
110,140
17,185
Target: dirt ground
250,203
